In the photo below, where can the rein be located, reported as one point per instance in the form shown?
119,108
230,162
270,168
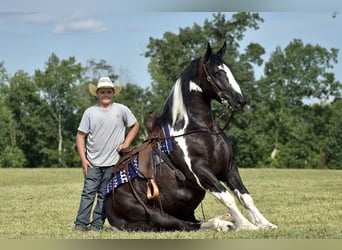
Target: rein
218,93
229,119
213,85
150,138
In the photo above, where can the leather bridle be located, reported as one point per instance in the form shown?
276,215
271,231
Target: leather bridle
213,84
218,92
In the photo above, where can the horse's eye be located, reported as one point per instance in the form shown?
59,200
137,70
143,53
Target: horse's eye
216,72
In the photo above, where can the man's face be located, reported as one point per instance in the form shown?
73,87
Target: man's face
105,95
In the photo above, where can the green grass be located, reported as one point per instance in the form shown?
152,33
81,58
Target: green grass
305,204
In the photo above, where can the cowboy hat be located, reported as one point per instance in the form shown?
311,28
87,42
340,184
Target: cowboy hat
104,82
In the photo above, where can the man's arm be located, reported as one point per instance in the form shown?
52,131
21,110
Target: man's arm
130,137
80,144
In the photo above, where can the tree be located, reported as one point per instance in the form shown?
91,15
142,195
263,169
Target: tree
5,113
30,128
292,75
274,129
12,157
58,88
298,72
11,154
326,136
170,56
6,129
333,152
138,100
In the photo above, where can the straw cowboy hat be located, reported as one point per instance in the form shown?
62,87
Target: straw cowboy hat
105,82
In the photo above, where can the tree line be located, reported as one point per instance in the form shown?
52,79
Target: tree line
281,127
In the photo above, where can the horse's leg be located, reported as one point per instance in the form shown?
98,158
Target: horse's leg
159,222
164,221
228,200
235,183
209,182
120,216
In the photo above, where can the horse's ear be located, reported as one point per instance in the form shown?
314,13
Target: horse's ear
208,53
222,51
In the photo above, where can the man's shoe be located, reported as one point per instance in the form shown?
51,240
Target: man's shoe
95,229
80,228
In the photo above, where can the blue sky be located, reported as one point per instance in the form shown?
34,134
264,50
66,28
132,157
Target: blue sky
120,37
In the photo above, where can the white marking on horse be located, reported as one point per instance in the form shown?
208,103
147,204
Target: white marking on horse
194,87
179,112
231,78
219,223
228,200
256,217
178,107
182,144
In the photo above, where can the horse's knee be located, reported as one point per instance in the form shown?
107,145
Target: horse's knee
234,180
245,199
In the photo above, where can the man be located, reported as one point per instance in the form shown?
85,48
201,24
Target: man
103,127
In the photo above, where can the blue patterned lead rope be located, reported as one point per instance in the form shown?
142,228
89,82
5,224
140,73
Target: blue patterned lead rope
121,178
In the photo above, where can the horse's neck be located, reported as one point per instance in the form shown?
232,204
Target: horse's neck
200,111
188,108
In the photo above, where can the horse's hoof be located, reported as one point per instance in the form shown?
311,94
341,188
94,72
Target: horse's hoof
248,226
268,226
225,226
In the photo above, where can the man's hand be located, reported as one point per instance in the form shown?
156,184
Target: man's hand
85,165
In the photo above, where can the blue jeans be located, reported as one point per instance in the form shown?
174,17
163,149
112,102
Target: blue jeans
94,183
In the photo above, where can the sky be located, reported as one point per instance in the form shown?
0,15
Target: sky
30,34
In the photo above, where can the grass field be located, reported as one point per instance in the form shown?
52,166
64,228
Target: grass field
305,204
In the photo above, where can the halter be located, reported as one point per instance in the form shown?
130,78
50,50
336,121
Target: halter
213,84
218,93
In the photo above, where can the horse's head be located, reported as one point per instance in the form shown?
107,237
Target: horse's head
220,80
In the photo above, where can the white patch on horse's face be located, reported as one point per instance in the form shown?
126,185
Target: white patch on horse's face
231,78
194,87
178,107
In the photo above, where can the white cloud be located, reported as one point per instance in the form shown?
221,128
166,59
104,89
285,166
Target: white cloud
58,23
80,25
27,18
35,18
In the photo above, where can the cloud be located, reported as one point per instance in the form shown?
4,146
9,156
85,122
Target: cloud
58,23
80,25
35,18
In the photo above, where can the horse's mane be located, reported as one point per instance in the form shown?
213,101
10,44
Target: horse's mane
189,74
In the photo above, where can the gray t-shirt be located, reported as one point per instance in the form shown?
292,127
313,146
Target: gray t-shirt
105,131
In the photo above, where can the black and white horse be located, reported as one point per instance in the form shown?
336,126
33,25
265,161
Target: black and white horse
200,151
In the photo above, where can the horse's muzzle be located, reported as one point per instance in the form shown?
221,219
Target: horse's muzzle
236,102
240,102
